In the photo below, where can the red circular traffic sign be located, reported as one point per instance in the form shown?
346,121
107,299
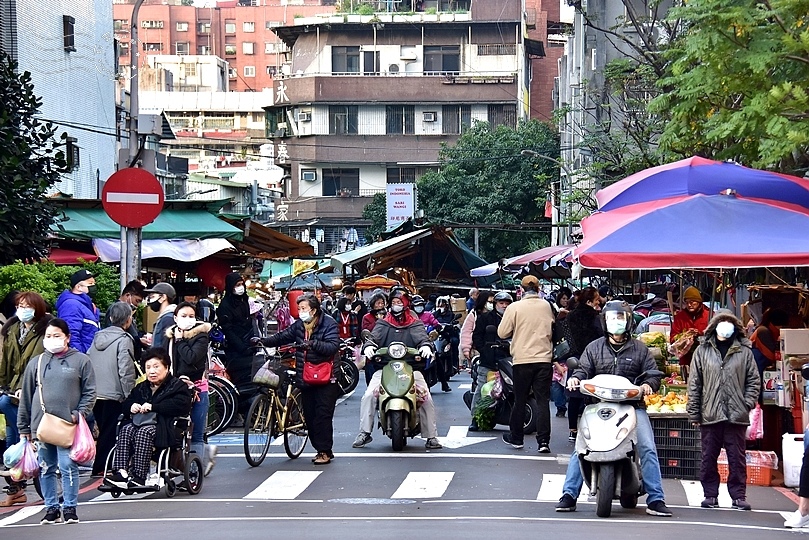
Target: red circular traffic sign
133,197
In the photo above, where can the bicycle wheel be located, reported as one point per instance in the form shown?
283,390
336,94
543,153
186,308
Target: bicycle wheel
257,432
221,406
295,432
347,375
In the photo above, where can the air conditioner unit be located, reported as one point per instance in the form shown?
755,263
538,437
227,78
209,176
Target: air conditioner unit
309,175
430,116
304,117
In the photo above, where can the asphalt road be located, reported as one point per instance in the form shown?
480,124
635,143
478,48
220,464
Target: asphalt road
476,487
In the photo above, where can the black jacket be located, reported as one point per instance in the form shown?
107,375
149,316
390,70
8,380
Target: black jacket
323,343
581,327
630,361
488,354
189,355
172,399
234,319
412,335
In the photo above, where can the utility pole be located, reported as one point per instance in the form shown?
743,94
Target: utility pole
569,190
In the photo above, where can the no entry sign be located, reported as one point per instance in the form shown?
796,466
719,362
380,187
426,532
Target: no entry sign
132,197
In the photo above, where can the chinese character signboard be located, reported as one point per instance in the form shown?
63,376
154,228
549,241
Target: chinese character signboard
401,203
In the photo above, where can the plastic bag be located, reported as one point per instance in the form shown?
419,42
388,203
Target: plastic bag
497,387
755,430
684,343
84,447
13,454
486,389
28,467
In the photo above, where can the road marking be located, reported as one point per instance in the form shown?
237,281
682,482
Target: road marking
21,514
419,453
457,438
134,497
694,493
283,485
551,488
423,485
467,386
133,198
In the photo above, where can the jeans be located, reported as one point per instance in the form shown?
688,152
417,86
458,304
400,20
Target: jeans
558,396
199,421
538,376
483,377
649,465
51,457
8,409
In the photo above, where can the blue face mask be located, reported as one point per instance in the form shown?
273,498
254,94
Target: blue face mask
25,314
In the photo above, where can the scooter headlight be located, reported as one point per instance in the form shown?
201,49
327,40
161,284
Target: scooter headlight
610,393
397,350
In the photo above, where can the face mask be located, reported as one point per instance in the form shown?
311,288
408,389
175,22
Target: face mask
54,345
489,306
186,323
305,316
91,290
725,330
25,314
397,308
239,290
155,305
616,326
419,309
440,310
347,307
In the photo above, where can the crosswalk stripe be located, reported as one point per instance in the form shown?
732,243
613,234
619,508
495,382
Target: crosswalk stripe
423,485
693,491
550,490
283,485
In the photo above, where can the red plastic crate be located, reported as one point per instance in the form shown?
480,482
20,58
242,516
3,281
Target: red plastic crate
756,475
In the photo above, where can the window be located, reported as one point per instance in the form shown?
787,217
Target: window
182,47
120,25
442,59
182,27
230,27
502,115
69,32
345,59
249,71
152,46
248,26
269,47
188,70
455,119
204,27
336,181
203,49
497,49
232,73
370,62
151,24
230,50
272,70
248,47
401,175
123,48
400,119
343,119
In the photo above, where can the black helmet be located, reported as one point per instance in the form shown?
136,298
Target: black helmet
417,300
622,308
503,295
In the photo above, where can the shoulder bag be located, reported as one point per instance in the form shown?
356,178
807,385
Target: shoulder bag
317,374
144,419
52,429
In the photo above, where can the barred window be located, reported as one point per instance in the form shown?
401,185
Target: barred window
400,120
497,49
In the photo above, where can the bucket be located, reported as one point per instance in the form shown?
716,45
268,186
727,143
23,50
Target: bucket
792,451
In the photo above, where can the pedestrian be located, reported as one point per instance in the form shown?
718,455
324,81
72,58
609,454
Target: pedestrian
348,322
444,364
766,338
563,296
723,388
75,307
62,379
188,349
489,356
357,305
113,358
316,335
693,316
529,324
132,295
472,299
160,299
237,324
617,353
22,337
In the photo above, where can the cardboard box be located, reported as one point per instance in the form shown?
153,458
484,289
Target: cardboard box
794,341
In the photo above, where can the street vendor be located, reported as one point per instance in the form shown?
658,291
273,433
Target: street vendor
693,316
766,338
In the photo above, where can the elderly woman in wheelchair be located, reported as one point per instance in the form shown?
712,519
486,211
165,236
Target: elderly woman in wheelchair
155,426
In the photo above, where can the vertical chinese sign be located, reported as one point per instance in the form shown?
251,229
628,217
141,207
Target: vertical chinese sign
401,203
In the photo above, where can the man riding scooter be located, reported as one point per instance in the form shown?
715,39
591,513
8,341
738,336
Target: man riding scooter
399,325
619,354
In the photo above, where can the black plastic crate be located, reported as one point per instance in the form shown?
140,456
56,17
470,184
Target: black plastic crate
675,432
678,467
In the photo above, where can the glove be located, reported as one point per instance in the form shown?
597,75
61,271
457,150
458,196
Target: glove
369,351
426,352
255,341
305,345
646,390
573,384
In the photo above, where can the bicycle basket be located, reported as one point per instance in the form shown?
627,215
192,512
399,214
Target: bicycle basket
266,376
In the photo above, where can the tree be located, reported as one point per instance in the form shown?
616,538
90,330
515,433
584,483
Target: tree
376,211
737,83
31,162
483,179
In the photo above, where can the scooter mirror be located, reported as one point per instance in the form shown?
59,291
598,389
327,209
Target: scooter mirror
365,334
572,363
457,317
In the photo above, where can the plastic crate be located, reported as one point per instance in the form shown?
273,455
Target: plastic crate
756,475
675,432
680,468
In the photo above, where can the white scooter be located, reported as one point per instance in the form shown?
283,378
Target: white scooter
607,440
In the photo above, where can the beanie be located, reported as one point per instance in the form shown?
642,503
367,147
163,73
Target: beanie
692,293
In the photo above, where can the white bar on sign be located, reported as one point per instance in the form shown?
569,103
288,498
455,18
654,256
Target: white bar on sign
283,485
133,198
423,485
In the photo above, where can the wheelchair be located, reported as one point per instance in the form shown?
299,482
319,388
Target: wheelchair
173,469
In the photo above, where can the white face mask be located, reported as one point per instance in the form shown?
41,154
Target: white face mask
347,307
725,330
489,306
397,308
239,290
185,323
305,316
615,325
25,314
419,309
54,345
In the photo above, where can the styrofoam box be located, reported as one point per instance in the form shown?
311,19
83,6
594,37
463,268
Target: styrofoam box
794,341
792,450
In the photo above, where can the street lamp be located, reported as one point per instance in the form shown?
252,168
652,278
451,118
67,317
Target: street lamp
569,185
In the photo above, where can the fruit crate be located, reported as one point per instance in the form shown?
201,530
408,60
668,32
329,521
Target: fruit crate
675,432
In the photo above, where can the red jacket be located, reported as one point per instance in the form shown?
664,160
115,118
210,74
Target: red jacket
685,320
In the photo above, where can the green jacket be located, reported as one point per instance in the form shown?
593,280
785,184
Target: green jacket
15,356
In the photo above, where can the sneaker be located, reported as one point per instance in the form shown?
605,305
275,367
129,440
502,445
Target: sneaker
566,504
212,451
560,413
70,515
710,502
362,439
544,448
433,444
796,520
136,482
658,508
52,516
741,504
118,479
572,436
512,442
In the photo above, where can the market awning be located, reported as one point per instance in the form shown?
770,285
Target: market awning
91,223
369,252
266,243
69,256
179,250
278,270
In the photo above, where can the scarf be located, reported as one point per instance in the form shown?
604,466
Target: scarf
309,327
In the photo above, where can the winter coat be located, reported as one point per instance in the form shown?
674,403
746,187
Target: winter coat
112,355
81,316
412,334
164,320
632,359
467,329
15,356
189,354
324,342
581,327
429,320
488,356
348,324
683,321
68,386
529,323
234,319
723,389
173,398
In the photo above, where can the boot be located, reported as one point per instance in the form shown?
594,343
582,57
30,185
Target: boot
17,496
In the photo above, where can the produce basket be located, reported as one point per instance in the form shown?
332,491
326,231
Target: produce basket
759,467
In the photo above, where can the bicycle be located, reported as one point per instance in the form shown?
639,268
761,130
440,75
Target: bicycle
276,410
223,397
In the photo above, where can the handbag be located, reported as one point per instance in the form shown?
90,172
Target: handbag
52,429
317,374
561,351
145,419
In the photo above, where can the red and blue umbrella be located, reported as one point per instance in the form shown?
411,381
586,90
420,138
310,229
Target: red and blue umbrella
699,175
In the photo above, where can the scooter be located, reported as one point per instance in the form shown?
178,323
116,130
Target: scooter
607,439
398,402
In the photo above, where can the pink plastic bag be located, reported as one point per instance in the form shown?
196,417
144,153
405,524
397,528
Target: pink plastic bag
84,447
756,428
27,467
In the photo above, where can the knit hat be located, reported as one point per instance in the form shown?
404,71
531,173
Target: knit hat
79,276
693,294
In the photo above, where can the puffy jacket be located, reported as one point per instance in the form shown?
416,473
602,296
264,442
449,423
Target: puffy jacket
530,323
15,356
581,327
81,316
189,355
234,319
413,335
173,398
323,343
630,361
488,355
722,389
112,355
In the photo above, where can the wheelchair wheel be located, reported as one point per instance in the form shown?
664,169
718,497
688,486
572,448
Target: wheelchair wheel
171,488
258,430
193,475
295,432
